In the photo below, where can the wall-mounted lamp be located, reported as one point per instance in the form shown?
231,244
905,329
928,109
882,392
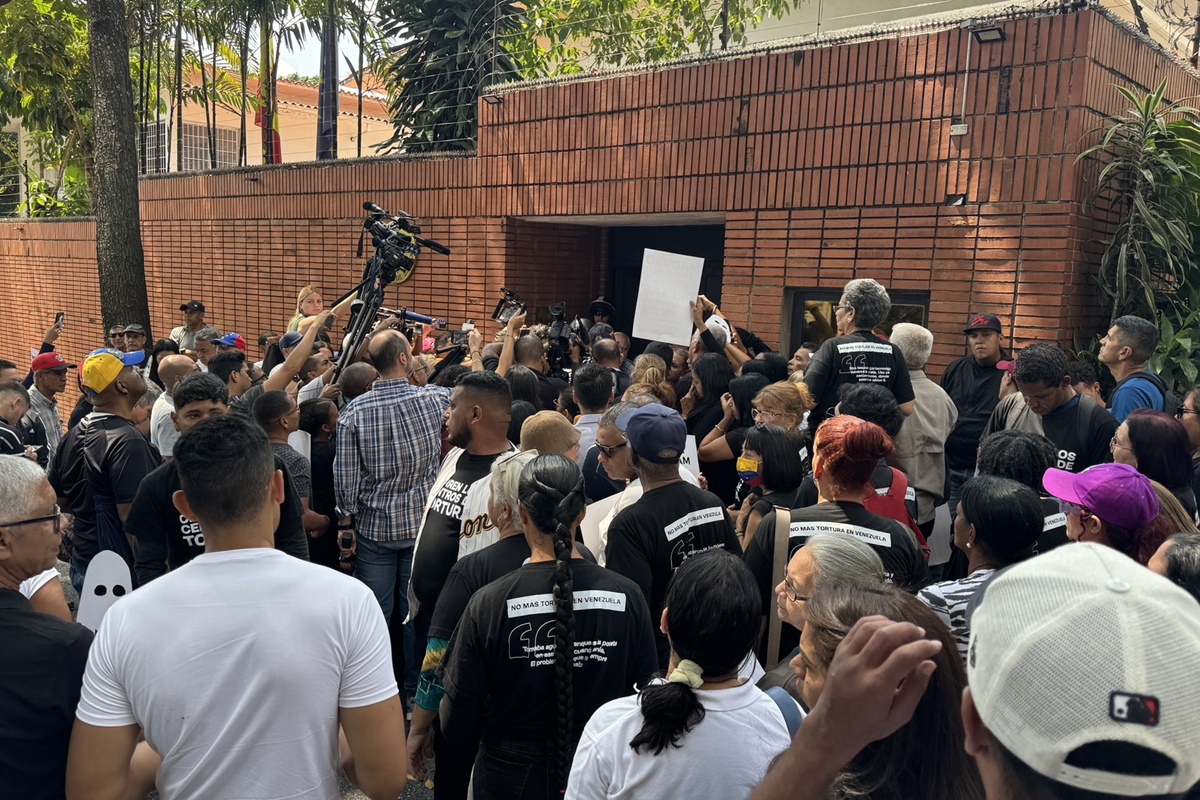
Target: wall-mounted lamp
955,200
493,99
988,35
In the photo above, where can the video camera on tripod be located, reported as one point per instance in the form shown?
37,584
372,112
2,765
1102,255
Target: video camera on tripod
397,242
562,336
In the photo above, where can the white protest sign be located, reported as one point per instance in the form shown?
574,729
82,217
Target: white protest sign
590,527
669,282
690,460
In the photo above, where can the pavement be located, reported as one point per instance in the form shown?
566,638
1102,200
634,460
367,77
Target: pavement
414,790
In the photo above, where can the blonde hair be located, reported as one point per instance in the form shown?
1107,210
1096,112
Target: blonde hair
796,377
304,294
649,368
662,391
1170,507
789,398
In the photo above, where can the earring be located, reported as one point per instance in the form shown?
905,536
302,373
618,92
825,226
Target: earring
968,545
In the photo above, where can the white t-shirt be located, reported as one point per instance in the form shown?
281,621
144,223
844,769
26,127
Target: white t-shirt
29,586
235,666
724,756
162,430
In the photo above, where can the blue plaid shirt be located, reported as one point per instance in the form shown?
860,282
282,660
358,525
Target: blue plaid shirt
389,445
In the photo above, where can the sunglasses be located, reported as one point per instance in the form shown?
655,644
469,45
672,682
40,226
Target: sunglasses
1071,509
609,451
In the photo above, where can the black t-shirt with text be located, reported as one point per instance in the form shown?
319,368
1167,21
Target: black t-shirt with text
439,542
1081,432
895,544
860,357
475,571
499,668
652,538
165,539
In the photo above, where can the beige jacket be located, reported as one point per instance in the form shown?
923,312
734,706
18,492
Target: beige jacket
921,444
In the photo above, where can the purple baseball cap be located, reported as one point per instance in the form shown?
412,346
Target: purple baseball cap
656,433
1116,493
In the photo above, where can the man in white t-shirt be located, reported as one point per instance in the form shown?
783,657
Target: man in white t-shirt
240,665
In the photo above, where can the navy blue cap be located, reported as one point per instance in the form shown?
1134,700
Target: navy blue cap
656,433
290,339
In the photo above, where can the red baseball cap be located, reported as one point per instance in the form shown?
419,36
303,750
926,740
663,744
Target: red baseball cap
47,361
1008,366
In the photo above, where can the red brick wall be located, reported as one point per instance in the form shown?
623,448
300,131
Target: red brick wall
827,164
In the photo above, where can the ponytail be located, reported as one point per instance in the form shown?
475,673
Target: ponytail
714,610
551,491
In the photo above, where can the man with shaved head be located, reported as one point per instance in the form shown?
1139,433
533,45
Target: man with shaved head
357,379
171,370
388,449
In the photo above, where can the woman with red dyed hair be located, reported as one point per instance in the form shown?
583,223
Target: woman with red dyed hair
846,451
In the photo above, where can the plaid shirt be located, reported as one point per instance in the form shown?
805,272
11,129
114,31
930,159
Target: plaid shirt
388,448
46,411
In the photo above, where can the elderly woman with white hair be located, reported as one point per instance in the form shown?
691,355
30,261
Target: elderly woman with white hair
825,559
466,577
858,354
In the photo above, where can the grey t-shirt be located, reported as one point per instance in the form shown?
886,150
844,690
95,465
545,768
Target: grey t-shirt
299,468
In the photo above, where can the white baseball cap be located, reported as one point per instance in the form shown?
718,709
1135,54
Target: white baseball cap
1084,645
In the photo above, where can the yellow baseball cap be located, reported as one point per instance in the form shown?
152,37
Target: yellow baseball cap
103,366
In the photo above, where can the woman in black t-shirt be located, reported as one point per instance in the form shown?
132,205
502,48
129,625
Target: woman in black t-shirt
846,452
539,650
701,407
725,439
771,463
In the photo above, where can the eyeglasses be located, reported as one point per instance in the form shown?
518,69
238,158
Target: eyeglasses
54,516
1181,412
1070,509
1115,445
791,592
609,450
842,308
757,414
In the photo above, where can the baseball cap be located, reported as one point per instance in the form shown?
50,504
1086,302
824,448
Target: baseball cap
192,305
101,367
50,361
290,339
135,328
228,340
983,322
239,342
1008,366
1116,493
656,433
549,433
602,307
1083,645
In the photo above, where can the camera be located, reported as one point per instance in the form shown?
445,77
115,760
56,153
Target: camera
509,306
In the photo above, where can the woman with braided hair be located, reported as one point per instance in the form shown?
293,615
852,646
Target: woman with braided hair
539,650
703,731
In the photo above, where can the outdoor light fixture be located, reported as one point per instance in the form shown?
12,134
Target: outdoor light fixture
493,99
955,200
988,35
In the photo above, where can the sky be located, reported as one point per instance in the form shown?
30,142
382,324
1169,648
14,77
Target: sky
306,58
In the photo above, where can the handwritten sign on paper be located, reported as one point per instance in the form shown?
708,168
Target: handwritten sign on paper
669,282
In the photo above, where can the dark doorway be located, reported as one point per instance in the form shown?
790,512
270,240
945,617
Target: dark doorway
625,249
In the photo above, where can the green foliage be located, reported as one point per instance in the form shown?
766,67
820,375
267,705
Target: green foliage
1150,178
451,50
44,199
45,73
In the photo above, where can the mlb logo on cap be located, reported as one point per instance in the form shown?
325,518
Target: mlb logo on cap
50,361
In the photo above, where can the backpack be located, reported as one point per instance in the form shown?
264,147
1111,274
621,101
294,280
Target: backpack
1171,402
891,504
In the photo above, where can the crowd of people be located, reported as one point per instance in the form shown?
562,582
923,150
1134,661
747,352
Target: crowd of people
376,561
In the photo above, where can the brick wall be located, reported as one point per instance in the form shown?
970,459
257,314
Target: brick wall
827,163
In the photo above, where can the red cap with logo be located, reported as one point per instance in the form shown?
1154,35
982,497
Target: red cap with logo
47,361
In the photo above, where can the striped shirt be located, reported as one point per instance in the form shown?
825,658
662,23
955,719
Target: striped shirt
46,410
949,600
388,449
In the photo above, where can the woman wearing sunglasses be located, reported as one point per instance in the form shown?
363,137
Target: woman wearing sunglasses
1113,505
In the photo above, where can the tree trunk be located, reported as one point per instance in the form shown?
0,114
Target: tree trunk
115,196
1137,15
178,85
245,57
